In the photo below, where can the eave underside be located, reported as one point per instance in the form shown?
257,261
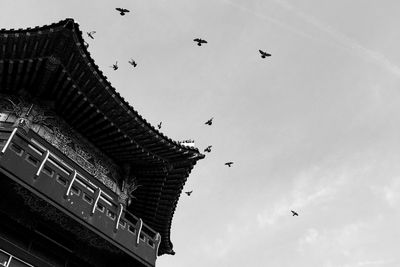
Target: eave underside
51,65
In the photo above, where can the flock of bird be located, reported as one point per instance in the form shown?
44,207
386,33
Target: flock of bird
208,148
199,42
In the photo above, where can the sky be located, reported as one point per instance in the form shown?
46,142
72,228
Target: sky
314,128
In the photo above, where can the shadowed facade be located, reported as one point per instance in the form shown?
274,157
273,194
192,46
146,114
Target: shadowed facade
81,170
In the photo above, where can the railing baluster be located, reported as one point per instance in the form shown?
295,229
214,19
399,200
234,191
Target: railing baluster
98,193
120,210
72,176
9,260
62,165
45,156
9,140
138,227
158,242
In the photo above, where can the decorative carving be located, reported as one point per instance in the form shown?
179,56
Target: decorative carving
19,109
79,152
68,142
82,152
15,106
5,104
39,117
51,128
129,186
188,142
124,198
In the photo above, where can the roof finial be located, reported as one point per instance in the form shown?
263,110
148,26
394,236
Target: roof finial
69,24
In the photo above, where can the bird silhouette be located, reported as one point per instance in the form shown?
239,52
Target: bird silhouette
208,149
159,125
264,54
90,34
209,122
133,63
189,193
115,66
200,41
122,11
229,164
294,213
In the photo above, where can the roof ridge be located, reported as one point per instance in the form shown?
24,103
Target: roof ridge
108,84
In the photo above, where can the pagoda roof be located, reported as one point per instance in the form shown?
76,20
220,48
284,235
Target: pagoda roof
51,63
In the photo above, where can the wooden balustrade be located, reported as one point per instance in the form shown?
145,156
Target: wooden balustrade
39,167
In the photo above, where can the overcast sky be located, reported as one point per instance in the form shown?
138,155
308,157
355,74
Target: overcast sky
314,128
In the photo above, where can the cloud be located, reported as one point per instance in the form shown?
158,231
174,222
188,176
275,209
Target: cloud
217,248
343,40
310,237
299,201
350,245
269,19
374,262
338,184
340,39
313,186
326,245
230,238
319,187
342,237
390,192
391,196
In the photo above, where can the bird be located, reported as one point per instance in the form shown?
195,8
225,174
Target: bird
229,164
264,54
209,122
122,11
133,63
200,41
159,125
294,213
208,149
90,34
115,66
189,193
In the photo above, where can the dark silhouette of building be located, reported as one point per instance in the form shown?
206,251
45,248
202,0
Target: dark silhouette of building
84,179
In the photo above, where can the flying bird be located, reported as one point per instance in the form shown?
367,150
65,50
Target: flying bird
208,149
294,213
122,11
115,66
90,34
159,125
200,41
133,63
189,193
264,54
209,122
229,164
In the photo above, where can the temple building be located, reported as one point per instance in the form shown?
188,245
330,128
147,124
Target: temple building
84,179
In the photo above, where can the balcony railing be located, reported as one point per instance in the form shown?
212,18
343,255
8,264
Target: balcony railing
41,168
8,260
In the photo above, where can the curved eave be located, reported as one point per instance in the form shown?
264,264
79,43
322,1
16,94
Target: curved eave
52,63
82,94
156,201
